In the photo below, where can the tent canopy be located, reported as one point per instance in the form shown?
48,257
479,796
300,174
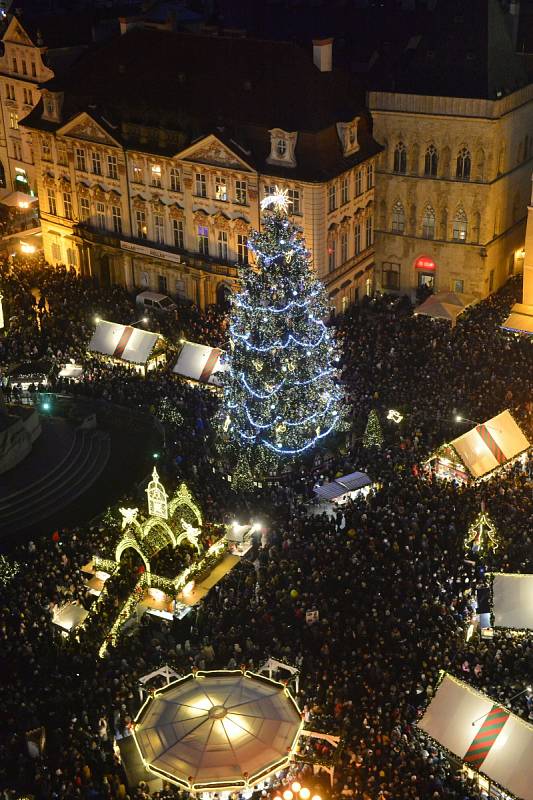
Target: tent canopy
512,601
70,616
227,729
340,486
446,305
502,751
123,342
520,320
490,445
18,200
200,363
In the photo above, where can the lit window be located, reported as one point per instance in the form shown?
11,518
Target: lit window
460,226
241,192
142,230
156,176
137,173
203,240
13,120
221,188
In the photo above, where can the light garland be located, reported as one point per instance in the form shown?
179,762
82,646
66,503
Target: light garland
8,571
280,392
373,435
482,534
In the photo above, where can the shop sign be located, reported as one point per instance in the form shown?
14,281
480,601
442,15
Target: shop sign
425,263
150,251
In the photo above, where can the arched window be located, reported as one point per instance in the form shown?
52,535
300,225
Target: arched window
428,223
431,161
460,225
400,158
464,164
398,218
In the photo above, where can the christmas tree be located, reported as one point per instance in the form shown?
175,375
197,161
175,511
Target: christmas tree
482,534
373,435
280,393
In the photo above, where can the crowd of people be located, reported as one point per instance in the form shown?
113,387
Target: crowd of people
389,576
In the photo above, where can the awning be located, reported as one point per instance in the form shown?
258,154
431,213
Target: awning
18,200
70,616
446,305
200,363
483,734
123,342
512,601
520,320
71,371
340,486
490,445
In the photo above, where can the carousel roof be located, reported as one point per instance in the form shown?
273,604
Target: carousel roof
218,729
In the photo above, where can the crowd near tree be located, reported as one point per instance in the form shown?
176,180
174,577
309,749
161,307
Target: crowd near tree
389,574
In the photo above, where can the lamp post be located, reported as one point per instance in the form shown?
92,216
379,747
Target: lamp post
527,689
460,418
295,792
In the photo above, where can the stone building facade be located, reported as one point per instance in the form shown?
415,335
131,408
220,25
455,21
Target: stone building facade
151,204
453,188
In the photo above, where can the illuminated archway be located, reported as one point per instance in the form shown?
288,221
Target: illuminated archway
129,543
156,522
183,499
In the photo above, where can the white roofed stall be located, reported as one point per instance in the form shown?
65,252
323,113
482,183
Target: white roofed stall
126,343
483,734
512,601
201,363
338,488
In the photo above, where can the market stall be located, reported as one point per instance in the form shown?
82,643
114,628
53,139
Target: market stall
134,347
446,305
69,616
493,745
343,489
200,363
512,601
481,450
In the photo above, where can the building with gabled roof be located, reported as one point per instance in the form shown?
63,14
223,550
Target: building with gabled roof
151,170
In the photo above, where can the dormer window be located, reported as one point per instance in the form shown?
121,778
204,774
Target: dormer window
348,135
282,145
52,105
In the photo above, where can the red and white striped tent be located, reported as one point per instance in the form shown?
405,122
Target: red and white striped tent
125,343
484,448
486,736
201,363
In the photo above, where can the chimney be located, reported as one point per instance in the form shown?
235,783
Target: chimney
514,19
323,54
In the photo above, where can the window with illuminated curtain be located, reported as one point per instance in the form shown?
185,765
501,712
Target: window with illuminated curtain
428,223
398,218
137,173
400,158
221,188
241,192
242,249
460,225
464,164
431,161
203,240
156,176
13,120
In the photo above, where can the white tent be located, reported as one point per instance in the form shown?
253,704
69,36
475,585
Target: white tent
123,342
336,489
446,305
484,735
200,363
487,446
520,320
512,601
70,616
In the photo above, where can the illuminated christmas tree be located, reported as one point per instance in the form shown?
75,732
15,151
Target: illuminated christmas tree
373,435
482,534
280,394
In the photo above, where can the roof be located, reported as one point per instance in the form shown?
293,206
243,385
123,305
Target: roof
340,486
70,616
200,363
222,728
512,601
446,305
269,85
123,342
455,717
490,445
520,320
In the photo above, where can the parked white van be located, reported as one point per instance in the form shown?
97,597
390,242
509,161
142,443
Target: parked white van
158,303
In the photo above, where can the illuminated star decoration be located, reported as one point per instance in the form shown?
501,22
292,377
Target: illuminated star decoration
395,416
129,515
279,199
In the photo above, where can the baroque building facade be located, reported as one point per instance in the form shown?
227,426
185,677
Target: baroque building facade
138,196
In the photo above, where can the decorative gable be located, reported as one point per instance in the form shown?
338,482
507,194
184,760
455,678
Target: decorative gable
85,127
15,33
282,147
213,152
348,135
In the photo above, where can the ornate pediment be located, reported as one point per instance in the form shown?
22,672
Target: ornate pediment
16,33
84,127
211,151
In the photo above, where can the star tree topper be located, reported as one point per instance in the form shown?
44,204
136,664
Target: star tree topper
279,199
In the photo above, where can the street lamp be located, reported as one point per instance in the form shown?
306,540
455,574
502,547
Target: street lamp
460,418
296,792
527,689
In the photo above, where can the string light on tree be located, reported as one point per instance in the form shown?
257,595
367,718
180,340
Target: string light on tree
8,571
280,391
373,435
482,534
